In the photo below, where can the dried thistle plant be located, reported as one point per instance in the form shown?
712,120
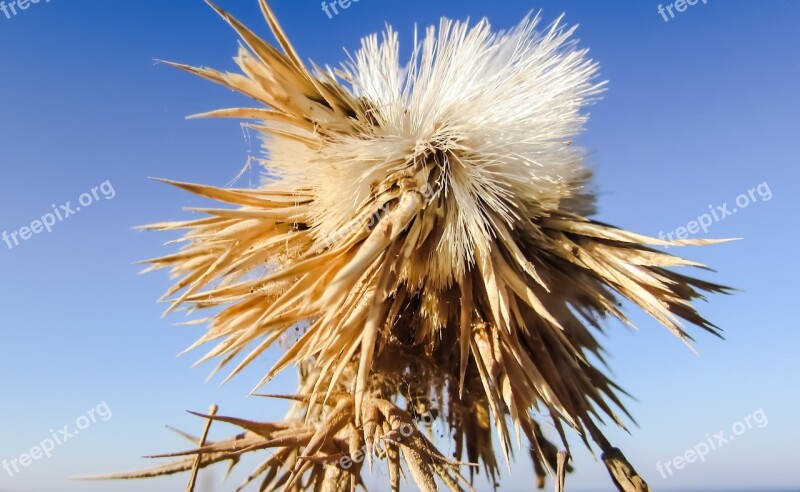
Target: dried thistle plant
427,226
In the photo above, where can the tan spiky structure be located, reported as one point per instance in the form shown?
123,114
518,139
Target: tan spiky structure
426,226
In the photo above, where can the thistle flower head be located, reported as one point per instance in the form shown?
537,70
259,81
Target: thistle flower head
479,122
426,224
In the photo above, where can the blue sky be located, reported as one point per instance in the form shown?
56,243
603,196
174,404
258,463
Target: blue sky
700,109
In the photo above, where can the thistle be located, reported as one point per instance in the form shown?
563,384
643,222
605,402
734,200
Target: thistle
426,228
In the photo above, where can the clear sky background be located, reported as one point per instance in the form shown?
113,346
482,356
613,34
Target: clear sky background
699,110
